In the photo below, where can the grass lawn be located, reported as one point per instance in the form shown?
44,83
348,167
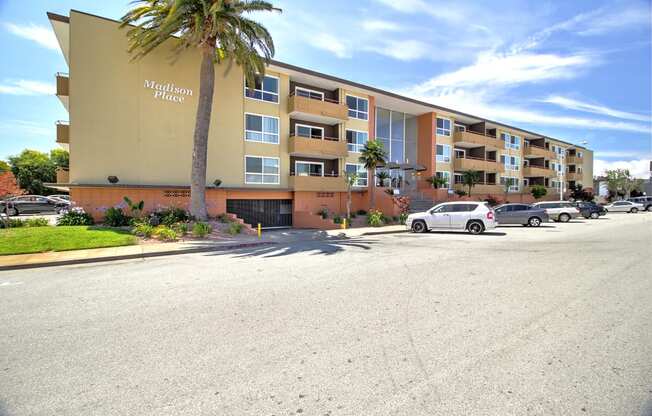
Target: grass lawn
41,239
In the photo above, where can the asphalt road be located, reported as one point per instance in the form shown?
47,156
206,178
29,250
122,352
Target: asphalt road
548,321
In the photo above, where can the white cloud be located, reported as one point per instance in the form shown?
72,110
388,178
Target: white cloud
26,87
446,12
330,43
623,154
9,128
572,104
380,26
407,50
40,34
638,168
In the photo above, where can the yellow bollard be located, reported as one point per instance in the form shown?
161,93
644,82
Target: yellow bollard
344,224
260,231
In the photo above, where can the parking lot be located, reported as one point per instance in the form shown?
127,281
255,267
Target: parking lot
555,320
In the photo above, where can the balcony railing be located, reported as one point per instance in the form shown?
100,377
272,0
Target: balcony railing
573,160
480,188
63,175
63,132
329,111
574,176
62,84
472,138
326,147
317,182
537,171
537,151
470,163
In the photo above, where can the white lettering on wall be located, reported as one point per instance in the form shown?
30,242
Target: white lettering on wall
168,91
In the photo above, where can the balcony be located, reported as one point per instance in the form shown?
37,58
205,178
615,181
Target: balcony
63,132
573,160
467,163
481,188
316,110
62,88
574,176
63,175
473,139
537,171
317,183
324,148
536,151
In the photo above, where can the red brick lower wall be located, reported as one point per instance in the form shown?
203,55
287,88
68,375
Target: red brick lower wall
442,195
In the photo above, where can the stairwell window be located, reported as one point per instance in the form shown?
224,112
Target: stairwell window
264,89
263,129
443,126
358,169
262,170
513,183
511,162
511,142
355,140
443,152
358,107
446,176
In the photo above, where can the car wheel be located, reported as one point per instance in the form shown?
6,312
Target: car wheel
633,210
649,208
534,222
419,227
564,217
475,227
595,215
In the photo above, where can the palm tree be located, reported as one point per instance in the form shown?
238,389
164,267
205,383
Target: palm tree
437,181
350,179
220,32
382,176
506,186
371,156
470,178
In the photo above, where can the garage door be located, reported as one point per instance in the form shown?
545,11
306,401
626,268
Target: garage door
268,212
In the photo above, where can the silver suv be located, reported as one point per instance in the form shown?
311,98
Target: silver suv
561,211
474,217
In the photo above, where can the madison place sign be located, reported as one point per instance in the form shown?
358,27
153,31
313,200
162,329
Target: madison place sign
168,91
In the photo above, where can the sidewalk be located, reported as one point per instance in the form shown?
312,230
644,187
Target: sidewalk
357,232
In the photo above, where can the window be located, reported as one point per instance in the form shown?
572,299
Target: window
460,153
262,129
305,92
443,153
510,162
356,140
304,130
262,170
579,155
265,89
308,168
464,207
358,107
513,183
442,209
443,126
619,204
511,142
360,171
446,176
460,127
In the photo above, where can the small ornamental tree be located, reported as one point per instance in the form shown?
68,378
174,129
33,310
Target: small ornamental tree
538,191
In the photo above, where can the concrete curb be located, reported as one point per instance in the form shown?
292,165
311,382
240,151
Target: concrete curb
206,249
385,232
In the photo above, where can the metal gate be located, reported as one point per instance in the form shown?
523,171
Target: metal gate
267,212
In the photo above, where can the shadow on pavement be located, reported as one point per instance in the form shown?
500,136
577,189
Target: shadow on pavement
324,246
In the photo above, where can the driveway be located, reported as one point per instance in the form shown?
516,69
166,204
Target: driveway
549,321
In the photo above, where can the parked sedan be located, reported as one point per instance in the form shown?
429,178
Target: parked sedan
32,204
624,206
474,217
645,200
590,210
523,214
562,211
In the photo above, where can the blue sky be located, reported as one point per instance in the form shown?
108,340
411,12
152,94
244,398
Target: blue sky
578,70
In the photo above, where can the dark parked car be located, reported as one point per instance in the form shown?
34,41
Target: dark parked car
645,200
32,204
590,210
523,214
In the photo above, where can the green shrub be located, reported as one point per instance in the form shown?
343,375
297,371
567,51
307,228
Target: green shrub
75,216
375,218
36,222
353,215
201,229
29,222
234,228
223,218
11,223
538,191
337,219
165,233
324,213
460,192
143,230
402,218
169,216
362,212
115,217
180,228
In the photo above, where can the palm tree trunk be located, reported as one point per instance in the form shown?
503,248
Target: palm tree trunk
200,138
371,183
348,204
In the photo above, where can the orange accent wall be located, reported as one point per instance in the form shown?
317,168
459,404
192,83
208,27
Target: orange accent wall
426,146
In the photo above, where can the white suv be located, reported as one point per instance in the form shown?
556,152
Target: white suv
561,211
475,217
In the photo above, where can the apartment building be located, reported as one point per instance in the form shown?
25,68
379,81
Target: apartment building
279,148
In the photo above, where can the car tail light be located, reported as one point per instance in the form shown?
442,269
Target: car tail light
490,215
